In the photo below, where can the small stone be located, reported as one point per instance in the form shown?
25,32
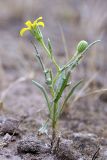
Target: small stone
7,137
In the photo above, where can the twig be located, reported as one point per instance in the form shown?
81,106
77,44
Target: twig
96,154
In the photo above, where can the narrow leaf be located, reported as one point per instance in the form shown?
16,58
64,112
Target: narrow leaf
59,81
43,129
44,92
63,86
69,95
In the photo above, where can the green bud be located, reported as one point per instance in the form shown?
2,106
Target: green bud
82,45
49,81
46,71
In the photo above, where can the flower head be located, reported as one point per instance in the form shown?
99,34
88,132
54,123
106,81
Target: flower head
32,26
82,45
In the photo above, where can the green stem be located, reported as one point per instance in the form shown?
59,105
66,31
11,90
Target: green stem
56,77
54,62
54,115
54,123
40,61
53,59
46,49
52,91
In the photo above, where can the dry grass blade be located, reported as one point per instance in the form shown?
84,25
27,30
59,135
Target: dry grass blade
13,84
64,42
94,93
84,88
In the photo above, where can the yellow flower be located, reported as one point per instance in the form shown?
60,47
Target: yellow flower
32,26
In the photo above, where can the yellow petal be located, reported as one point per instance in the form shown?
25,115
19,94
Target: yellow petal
23,30
36,21
28,24
39,19
41,24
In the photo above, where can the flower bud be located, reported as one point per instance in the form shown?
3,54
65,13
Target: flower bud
82,45
49,81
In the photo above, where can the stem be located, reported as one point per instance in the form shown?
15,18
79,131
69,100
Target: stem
54,123
56,77
40,60
38,56
46,49
52,91
53,59
54,62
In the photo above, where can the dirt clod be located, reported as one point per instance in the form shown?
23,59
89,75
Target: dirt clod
30,145
66,151
103,97
9,126
81,145
86,143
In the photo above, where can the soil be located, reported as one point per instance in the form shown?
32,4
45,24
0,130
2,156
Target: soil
83,125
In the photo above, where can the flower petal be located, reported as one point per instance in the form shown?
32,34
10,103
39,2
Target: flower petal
28,24
40,18
23,30
41,24
36,21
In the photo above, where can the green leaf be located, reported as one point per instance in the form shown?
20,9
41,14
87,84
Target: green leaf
44,92
43,129
62,87
69,95
59,81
